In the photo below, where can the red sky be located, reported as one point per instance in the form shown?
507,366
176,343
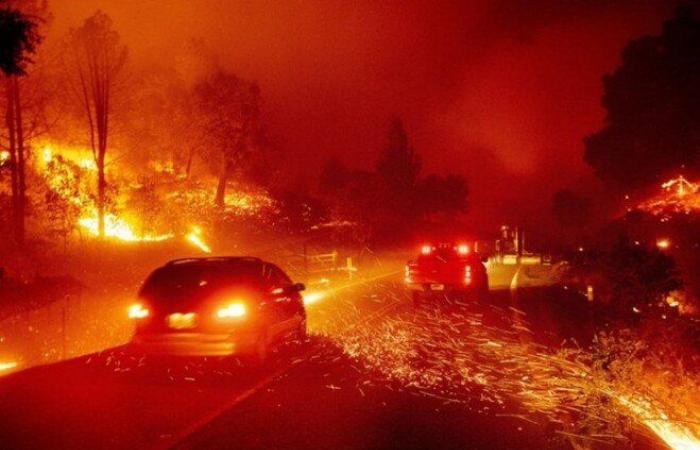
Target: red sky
501,91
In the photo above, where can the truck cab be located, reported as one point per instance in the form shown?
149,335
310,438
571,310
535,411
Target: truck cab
446,269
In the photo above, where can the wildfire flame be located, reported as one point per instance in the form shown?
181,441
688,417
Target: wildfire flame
678,196
74,155
195,237
682,186
116,227
674,434
119,229
68,173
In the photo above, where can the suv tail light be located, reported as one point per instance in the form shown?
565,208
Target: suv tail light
232,311
468,275
137,311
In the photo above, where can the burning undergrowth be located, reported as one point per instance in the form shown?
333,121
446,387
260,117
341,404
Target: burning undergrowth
594,394
158,207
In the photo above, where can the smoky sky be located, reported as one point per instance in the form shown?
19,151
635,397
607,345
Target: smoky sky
500,91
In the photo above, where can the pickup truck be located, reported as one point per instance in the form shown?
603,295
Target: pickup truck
445,270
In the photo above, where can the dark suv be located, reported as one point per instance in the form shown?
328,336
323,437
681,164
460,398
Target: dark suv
217,307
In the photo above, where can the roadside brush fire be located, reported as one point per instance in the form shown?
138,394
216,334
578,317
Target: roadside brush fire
598,394
161,207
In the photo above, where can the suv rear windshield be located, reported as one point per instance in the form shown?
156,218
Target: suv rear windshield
199,279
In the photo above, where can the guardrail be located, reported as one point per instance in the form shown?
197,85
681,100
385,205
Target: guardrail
328,263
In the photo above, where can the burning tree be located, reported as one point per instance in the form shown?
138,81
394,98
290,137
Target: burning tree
96,60
63,197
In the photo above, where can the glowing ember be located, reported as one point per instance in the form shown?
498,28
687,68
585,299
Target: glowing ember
455,355
663,244
195,237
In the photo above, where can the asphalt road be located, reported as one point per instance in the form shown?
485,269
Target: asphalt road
340,390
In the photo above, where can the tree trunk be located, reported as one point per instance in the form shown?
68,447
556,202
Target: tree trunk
188,167
21,179
221,189
10,123
101,188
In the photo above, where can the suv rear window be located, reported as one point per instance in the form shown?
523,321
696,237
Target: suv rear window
197,279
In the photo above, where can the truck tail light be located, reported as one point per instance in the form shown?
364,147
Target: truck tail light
232,311
463,249
468,275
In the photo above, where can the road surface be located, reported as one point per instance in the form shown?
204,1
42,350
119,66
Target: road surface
376,374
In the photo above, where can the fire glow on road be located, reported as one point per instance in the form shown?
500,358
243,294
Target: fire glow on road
315,296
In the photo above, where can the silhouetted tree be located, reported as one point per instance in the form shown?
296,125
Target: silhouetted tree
399,165
383,205
229,109
653,107
18,41
438,194
334,176
96,59
397,173
570,209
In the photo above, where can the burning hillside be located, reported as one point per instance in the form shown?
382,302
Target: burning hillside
677,197
162,207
